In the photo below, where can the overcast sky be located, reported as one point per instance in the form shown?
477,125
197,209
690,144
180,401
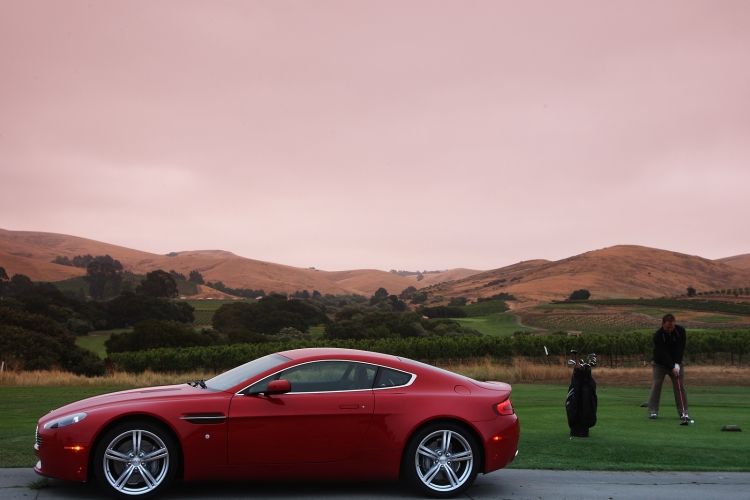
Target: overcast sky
375,134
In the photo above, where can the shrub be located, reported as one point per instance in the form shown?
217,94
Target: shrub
580,295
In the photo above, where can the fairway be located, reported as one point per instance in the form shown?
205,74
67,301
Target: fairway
498,325
623,438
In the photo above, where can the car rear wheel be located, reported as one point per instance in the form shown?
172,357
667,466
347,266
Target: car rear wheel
442,460
136,459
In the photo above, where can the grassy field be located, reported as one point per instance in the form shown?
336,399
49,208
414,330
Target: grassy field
95,341
21,407
623,439
494,324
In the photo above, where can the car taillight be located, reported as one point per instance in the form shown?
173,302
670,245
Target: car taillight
504,408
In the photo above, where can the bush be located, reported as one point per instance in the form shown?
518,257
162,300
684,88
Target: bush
607,347
442,312
155,334
580,295
35,342
268,316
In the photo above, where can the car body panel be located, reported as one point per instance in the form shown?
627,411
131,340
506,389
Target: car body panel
351,435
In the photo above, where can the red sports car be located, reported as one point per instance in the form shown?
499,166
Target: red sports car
308,414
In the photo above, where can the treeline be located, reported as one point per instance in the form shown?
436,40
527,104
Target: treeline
274,319
79,316
35,342
697,305
83,261
248,293
610,349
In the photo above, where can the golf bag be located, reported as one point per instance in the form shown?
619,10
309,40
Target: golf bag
581,402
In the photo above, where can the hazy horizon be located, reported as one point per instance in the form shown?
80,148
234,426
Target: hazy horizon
388,135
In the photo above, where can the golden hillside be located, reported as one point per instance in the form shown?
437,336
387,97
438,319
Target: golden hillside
739,261
31,253
615,272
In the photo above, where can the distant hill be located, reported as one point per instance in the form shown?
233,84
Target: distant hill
617,272
620,271
449,275
738,261
31,253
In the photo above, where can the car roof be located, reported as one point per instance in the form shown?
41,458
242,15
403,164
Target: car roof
313,353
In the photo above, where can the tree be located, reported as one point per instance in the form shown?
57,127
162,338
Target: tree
581,294
381,293
177,276
99,275
3,275
407,292
690,291
158,284
420,277
196,277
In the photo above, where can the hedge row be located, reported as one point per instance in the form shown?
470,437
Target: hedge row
609,348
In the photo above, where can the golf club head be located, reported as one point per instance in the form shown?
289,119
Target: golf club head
573,351
571,362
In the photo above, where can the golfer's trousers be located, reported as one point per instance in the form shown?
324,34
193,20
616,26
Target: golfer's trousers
659,372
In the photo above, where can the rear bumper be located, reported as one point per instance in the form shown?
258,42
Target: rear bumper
500,441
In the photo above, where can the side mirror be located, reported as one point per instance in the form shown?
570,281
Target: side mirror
278,387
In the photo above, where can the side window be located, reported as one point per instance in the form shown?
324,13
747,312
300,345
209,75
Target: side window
324,376
388,377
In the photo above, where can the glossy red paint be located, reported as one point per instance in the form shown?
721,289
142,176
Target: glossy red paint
343,434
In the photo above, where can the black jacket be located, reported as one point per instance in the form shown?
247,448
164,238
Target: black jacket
669,348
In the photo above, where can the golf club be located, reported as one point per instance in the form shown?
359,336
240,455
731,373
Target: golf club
685,420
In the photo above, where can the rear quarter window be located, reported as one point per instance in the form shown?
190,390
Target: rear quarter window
388,377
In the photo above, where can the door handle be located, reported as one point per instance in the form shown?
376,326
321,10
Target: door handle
349,407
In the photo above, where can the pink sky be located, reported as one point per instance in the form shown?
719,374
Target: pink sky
378,134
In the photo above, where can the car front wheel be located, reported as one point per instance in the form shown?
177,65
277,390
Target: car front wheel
442,460
136,459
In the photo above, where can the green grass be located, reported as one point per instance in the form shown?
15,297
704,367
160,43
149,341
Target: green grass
317,331
717,318
494,324
625,439
95,340
655,313
21,407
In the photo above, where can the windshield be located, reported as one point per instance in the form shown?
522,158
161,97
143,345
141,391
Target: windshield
243,372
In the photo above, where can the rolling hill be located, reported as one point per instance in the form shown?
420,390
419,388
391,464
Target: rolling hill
616,272
738,261
619,271
31,253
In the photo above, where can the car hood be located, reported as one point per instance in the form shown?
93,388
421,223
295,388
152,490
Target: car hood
128,397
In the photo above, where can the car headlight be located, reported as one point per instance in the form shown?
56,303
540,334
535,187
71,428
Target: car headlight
65,421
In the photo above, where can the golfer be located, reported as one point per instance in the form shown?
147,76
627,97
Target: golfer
669,346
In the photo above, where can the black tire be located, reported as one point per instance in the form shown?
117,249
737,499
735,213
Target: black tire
436,472
148,471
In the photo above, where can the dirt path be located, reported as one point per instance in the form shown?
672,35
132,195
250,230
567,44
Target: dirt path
518,322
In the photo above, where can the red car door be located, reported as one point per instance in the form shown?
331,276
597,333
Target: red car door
323,419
